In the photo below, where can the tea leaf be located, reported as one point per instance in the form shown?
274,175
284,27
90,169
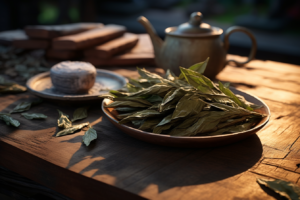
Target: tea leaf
188,105
9,120
15,88
150,123
71,129
24,106
140,115
127,109
170,75
34,115
286,189
80,113
89,135
229,93
134,99
126,104
63,121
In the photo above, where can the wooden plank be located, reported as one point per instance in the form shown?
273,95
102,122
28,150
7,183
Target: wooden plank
53,31
113,47
142,53
88,38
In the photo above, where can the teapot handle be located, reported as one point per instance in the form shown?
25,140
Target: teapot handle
244,30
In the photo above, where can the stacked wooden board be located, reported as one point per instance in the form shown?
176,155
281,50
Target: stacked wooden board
102,45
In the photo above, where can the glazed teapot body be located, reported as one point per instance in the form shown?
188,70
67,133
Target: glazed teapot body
191,43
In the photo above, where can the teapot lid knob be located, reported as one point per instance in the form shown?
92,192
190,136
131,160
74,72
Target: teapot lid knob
194,26
195,19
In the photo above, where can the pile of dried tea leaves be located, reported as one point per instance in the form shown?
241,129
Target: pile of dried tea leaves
188,105
68,127
22,65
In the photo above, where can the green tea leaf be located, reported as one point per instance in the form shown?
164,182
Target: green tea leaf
127,109
24,106
34,115
138,122
126,104
157,89
140,115
71,129
170,75
134,99
63,121
188,105
9,120
89,135
229,93
286,189
171,98
80,113
154,99
198,67
150,123
160,129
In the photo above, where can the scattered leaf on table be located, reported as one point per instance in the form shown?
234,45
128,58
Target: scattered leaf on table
80,113
286,189
71,129
9,120
63,121
34,115
24,106
15,88
89,135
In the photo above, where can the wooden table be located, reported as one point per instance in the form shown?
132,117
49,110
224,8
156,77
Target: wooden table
116,166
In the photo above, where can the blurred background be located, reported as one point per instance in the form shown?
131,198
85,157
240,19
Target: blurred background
275,23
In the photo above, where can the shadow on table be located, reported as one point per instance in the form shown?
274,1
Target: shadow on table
134,165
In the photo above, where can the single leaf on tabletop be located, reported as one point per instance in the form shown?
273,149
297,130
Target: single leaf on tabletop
34,115
71,129
15,88
9,120
63,121
89,135
286,189
80,113
21,107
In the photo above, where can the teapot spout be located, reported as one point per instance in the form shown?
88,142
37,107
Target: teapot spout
156,40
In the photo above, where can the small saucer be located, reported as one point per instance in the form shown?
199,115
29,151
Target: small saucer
41,86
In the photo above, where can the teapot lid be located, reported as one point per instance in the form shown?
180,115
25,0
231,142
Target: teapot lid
194,27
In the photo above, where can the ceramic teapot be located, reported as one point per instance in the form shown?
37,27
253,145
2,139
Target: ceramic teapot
193,42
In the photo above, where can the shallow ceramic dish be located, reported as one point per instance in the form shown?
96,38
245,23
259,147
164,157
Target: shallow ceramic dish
194,141
41,86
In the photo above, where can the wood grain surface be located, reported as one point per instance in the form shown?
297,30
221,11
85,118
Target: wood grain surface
141,53
116,166
88,38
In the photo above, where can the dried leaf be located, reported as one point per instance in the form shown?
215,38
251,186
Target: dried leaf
286,189
9,120
24,106
15,88
63,121
89,135
140,115
34,115
80,113
71,129
126,104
